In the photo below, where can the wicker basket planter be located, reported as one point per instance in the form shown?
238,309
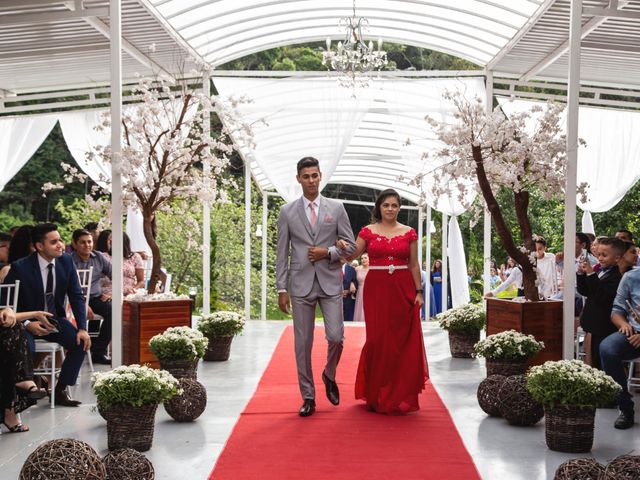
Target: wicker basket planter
569,429
461,343
218,349
130,426
579,469
516,404
488,394
506,366
181,368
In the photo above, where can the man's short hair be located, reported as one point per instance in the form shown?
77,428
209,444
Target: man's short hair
5,237
626,232
616,244
40,231
80,232
540,240
307,162
628,246
91,226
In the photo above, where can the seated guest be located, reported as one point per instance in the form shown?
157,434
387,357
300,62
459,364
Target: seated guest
132,268
629,258
84,258
47,277
627,236
624,344
19,247
599,288
17,389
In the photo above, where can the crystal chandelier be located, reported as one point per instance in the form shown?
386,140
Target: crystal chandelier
354,59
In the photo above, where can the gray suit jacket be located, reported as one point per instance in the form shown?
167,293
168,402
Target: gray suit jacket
294,271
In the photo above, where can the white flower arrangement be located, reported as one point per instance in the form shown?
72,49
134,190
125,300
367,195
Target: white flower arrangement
141,295
134,385
508,345
466,318
221,324
179,343
571,383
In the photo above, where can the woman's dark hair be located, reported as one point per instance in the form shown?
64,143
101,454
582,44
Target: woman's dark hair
584,238
126,246
21,244
101,243
437,269
376,216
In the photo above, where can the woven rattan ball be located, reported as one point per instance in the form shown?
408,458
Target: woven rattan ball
189,405
128,464
579,469
516,404
63,459
624,467
488,394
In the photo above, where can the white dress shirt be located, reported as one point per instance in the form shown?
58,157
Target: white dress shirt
316,206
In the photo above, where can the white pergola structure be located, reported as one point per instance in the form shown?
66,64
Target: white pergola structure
65,54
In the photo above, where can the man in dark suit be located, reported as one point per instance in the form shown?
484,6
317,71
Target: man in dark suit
349,287
46,277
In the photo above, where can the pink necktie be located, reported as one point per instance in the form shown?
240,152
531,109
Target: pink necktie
312,215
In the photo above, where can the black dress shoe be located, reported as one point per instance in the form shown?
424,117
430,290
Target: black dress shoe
101,358
307,408
625,420
63,399
333,394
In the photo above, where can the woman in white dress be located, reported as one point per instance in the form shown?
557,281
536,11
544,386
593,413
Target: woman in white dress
361,273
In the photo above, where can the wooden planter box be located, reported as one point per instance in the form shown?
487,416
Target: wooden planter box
543,320
143,320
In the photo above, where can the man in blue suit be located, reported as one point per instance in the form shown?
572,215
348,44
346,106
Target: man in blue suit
349,287
46,278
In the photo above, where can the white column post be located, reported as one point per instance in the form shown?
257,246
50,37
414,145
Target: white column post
265,238
486,270
206,211
420,234
573,99
445,263
427,287
115,20
247,239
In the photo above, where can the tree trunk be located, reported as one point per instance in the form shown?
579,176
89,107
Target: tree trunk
522,258
148,228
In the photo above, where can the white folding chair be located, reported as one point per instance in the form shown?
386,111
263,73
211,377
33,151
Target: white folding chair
633,380
579,352
84,276
9,295
48,366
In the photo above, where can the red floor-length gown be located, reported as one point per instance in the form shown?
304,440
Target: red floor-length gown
393,366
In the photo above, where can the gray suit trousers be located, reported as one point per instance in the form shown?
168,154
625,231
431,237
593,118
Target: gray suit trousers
304,313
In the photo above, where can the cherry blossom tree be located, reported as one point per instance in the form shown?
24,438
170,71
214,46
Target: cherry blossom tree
488,152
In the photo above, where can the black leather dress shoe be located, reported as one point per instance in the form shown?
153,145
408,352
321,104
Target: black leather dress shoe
625,420
102,359
307,408
333,394
63,399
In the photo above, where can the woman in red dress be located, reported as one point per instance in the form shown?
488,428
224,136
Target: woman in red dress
393,367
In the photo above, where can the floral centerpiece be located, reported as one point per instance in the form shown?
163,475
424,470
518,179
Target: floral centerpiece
507,352
128,397
141,295
179,349
570,391
463,324
220,328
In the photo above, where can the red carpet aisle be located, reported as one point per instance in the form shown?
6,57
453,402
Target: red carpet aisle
270,440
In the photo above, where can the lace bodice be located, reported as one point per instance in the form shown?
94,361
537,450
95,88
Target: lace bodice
385,251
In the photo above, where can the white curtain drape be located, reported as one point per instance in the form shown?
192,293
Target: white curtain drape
324,119
610,162
20,137
457,265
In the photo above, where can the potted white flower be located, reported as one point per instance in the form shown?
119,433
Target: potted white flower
220,328
463,324
179,349
507,353
570,391
128,397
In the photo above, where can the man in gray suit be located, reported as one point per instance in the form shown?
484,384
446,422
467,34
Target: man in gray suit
308,268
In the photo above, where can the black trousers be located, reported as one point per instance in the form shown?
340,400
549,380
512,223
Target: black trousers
99,345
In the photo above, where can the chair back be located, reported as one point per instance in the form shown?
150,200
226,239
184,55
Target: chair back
9,295
84,276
